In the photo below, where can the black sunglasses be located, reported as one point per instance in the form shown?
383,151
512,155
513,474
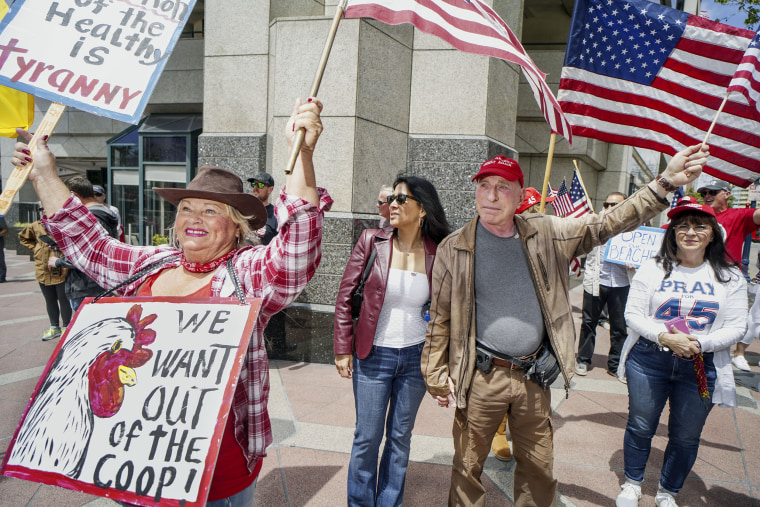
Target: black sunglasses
380,203
255,184
711,192
400,198
609,204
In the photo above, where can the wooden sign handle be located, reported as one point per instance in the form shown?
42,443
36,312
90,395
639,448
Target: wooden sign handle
21,173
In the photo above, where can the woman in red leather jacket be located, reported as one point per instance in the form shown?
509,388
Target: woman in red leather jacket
381,352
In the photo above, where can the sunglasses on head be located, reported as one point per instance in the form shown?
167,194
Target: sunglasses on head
400,198
711,192
609,204
258,184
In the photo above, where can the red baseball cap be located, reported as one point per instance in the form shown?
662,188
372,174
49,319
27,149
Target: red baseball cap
688,203
532,197
502,166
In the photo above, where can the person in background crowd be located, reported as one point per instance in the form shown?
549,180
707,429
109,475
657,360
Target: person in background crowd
499,297
604,283
383,208
100,196
686,307
209,233
381,350
500,444
737,222
78,285
51,280
262,186
3,232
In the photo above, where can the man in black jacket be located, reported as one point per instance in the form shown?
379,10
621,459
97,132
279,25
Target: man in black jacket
79,285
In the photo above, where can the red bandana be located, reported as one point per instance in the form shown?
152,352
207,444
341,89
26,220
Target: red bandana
195,267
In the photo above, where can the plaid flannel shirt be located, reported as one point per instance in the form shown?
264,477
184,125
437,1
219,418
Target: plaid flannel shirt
277,273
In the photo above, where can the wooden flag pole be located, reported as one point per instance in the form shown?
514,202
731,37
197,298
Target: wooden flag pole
548,172
580,180
21,173
317,81
717,113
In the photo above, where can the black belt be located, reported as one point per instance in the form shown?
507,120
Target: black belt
505,364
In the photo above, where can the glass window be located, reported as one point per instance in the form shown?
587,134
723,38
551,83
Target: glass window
165,149
124,156
125,190
158,213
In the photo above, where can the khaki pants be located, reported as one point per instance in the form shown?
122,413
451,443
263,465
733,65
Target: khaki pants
529,408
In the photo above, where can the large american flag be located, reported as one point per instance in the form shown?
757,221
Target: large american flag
641,74
746,79
572,203
473,27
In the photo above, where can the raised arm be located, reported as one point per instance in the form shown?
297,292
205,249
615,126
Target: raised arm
44,175
302,182
682,169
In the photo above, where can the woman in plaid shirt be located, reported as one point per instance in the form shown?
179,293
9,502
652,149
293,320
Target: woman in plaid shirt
213,215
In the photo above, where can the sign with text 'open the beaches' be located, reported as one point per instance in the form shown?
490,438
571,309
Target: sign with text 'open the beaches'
634,247
100,56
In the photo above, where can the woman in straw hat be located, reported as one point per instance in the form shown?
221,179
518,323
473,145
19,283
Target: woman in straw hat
213,217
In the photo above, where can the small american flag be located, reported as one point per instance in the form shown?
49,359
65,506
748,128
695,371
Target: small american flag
572,203
746,79
676,197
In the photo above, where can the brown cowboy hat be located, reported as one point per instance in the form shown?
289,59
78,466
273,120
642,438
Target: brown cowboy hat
217,184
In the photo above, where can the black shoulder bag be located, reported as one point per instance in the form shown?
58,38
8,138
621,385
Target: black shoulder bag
358,296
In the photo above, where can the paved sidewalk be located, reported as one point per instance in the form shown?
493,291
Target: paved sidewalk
312,414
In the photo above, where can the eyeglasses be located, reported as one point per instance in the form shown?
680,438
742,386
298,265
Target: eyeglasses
711,192
258,184
609,204
381,203
698,229
400,198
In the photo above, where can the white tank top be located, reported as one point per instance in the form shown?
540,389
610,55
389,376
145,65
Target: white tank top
400,323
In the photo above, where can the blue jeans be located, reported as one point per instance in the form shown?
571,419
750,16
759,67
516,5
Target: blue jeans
387,380
654,377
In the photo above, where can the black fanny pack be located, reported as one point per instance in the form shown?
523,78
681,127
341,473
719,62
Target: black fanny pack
541,367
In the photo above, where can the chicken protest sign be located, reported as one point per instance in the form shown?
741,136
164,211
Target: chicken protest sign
100,56
134,400
634,247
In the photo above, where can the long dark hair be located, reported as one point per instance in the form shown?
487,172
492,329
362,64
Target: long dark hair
715,253
434,226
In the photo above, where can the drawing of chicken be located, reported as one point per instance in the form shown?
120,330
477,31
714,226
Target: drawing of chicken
87,379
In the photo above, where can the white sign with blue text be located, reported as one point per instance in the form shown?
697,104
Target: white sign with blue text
634,247
100,56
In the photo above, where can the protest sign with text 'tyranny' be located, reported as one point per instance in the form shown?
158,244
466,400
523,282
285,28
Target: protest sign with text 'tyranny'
100,56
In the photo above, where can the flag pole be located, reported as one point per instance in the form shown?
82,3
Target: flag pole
317,81
717,113
580,180
547,172
20,173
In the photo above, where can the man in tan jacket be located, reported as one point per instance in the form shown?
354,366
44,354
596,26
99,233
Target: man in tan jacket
500,294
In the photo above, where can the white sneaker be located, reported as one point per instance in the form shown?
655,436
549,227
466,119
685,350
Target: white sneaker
663,499
581,369
630,495
741,363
